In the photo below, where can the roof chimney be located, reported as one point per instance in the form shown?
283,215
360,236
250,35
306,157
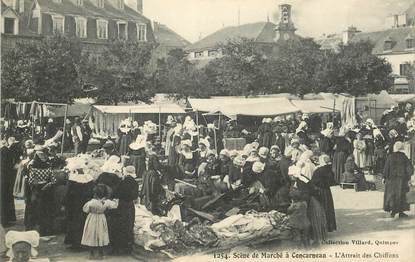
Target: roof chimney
348,34
140,6
137,5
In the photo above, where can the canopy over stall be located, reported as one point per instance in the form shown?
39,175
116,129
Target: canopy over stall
317,106
232,106
106,119
401,98
76,109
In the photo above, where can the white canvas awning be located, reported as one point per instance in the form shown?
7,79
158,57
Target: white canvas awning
317,106
245,106
162,108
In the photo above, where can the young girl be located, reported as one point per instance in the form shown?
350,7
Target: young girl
95,233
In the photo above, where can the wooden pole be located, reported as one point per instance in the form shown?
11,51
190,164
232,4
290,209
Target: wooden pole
160,124
64,127
197,125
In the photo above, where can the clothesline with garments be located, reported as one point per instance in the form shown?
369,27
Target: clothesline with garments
37,112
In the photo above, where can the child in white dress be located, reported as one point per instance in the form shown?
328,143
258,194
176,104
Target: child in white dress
95,233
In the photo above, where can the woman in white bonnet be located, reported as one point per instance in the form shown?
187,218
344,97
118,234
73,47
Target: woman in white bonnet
22,245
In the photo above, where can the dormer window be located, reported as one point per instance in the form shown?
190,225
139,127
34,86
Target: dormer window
80,2
388,44
120,4
100,3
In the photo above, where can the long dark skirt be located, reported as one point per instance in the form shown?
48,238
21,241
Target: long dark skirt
123,234
281,199
395,195
326,200
139,162
125,141
42,205
339,159
317,217
8,212
77,196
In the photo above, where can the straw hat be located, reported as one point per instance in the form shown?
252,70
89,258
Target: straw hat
140,142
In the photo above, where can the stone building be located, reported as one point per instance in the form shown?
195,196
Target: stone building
94,22
396,44
265,34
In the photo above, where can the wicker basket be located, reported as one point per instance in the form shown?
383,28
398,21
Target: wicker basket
379,185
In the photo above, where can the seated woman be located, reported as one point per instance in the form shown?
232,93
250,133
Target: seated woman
187,160
353,174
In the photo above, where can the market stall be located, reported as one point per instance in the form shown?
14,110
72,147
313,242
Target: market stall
235,106
106,119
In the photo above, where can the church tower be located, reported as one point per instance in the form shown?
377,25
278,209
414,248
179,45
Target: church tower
285,29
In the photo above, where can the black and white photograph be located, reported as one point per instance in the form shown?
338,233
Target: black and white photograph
207,130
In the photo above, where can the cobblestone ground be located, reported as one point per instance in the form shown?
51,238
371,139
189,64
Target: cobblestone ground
359,217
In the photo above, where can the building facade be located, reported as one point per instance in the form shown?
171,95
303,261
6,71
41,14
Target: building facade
265,34
94,22
396,44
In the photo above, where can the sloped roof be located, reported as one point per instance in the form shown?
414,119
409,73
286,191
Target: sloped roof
167,37
90,10
260,31
330,43
397,35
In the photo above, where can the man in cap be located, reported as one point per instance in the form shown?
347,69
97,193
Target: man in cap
77,136
86,135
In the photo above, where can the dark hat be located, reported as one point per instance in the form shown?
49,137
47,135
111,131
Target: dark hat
108,144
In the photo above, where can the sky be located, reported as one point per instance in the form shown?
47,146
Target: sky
195,19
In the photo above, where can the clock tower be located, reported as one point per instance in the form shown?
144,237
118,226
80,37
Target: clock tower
285,29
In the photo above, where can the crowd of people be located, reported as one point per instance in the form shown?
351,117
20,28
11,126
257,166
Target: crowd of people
289,162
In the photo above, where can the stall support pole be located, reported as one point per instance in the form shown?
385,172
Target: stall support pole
197,125
64,127
160,125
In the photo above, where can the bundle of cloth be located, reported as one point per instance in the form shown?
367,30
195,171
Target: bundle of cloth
250,227
86,164
170,234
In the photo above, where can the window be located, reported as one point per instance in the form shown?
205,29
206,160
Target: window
9,24
102,29
387,46
120,4
142,32
198,54
122,30
100,3
80,24
405,69
58,24
79,2
212,53
410,43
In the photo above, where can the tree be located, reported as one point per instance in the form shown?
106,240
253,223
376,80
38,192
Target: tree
176,75
293,66
354,70
239,71
121,73
45,71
